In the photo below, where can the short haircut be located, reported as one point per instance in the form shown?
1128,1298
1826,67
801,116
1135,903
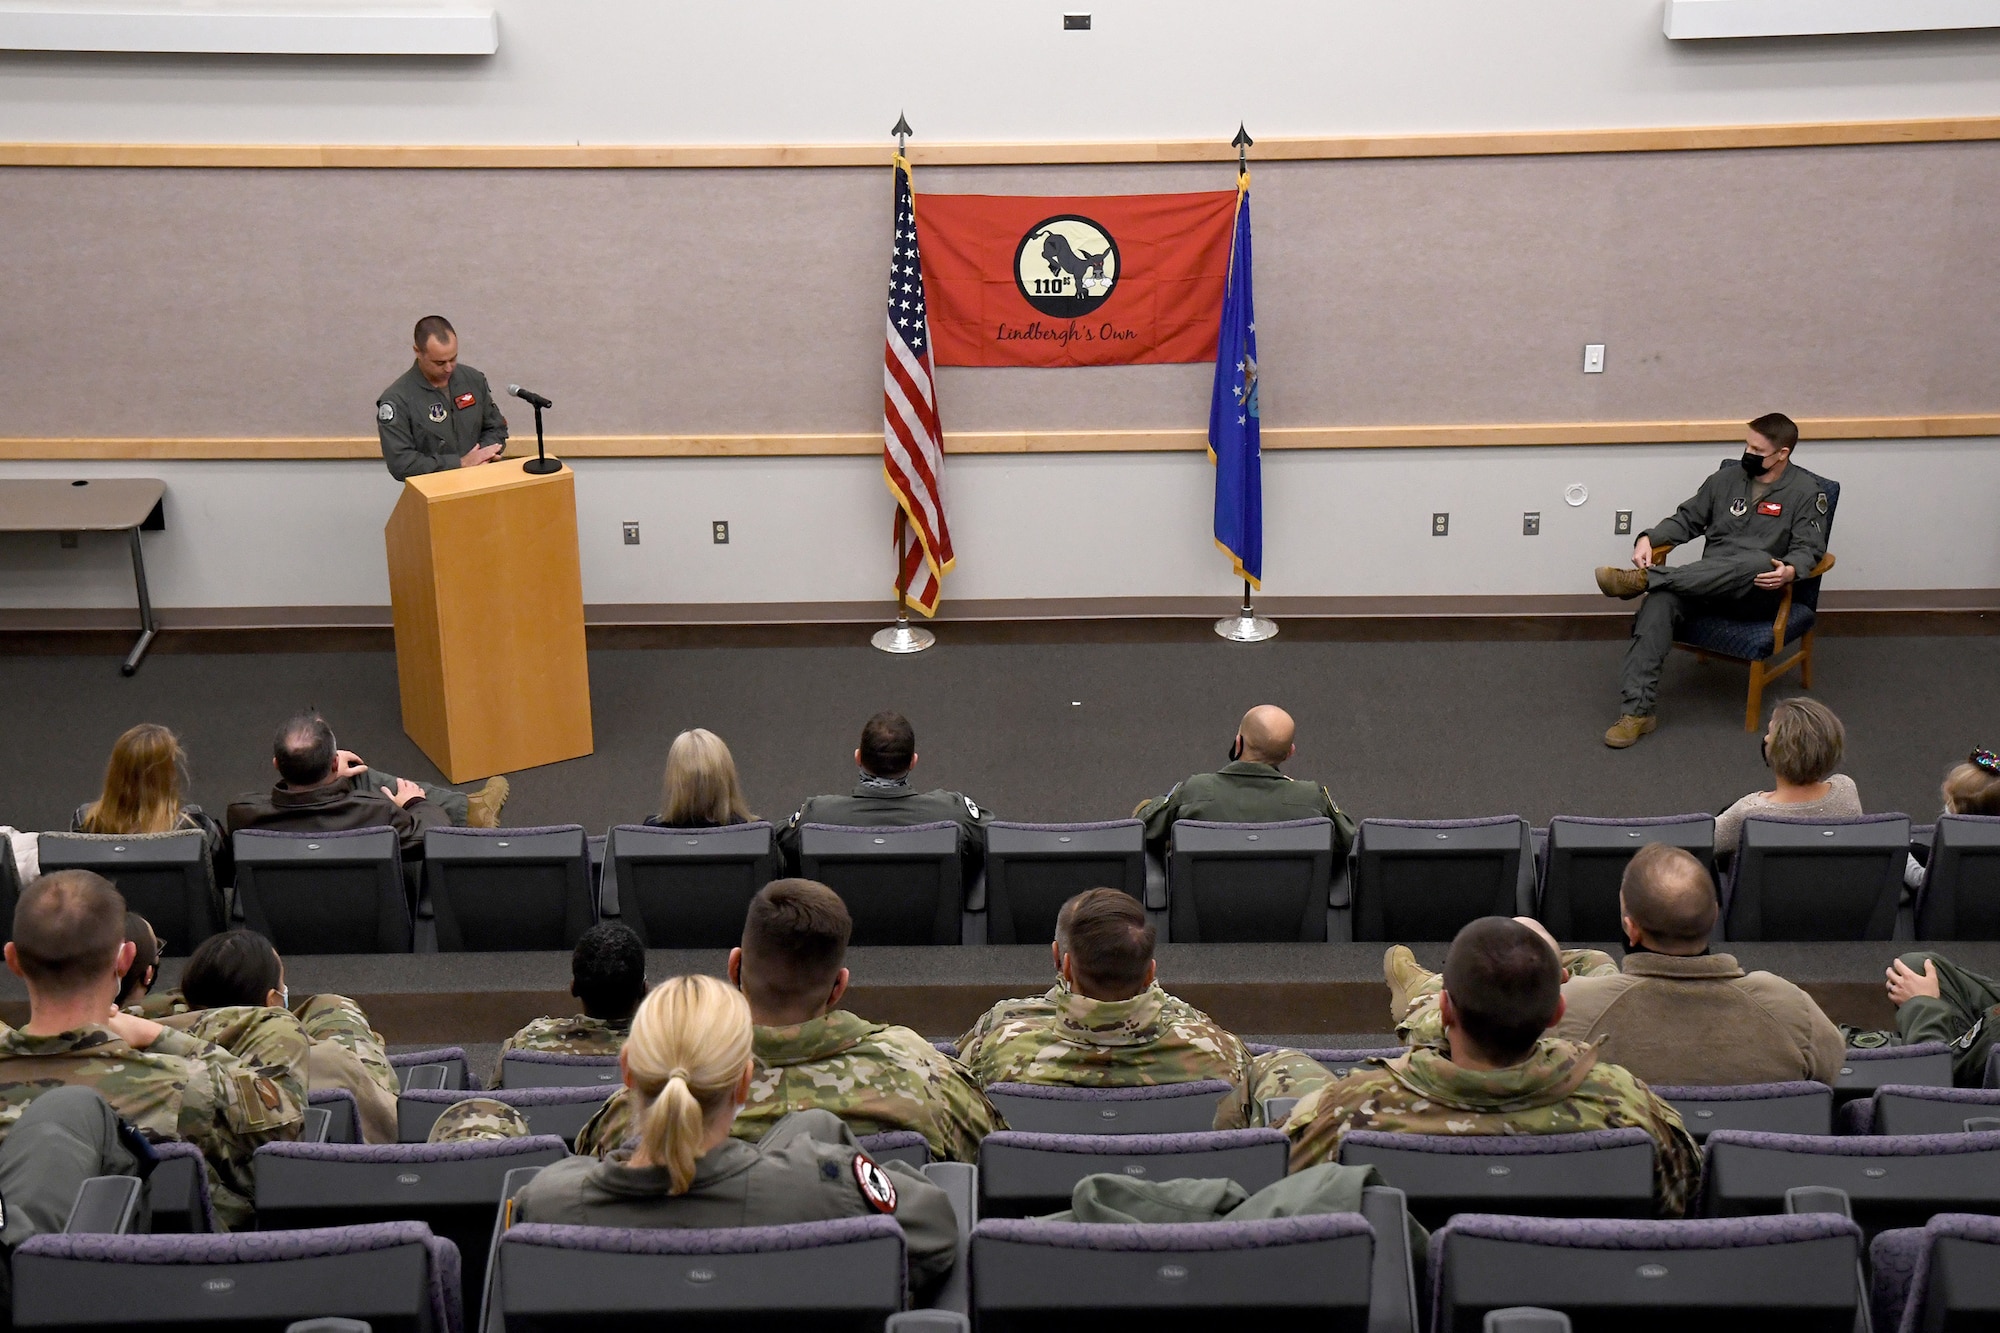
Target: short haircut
1807,741
1504,986
1779,429
235,967
145,944
1668,894
608,971
888,745
68,928
794,943
1108,940
304,749
433,328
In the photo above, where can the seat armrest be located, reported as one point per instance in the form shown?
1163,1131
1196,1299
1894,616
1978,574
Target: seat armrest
975,897
503,1217
960,1182
1825,563
1818,1199
1660,552
1156,883
1340,891
1525,880
1277,1110
607,889
928,1321
1526,1319
1392,1278
105,1206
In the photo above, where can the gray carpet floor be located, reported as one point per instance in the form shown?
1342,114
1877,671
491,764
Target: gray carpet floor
1055,730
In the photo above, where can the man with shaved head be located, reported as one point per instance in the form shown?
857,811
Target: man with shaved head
1676,1014
1249,789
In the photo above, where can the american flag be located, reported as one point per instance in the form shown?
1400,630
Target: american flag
913,444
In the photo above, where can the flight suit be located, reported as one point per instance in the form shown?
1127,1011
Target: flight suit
428,429
1244,792
893,803
1746,524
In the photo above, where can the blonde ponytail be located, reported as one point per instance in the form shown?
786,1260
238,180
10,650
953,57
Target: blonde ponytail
689,1044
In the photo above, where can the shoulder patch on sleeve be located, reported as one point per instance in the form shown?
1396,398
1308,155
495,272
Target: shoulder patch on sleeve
385,411
971,807
876,1187
1819,502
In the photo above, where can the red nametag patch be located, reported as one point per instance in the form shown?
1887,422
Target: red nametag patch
876,1187
466,400
1770,508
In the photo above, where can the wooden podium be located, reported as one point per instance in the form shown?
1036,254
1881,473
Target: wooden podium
488,603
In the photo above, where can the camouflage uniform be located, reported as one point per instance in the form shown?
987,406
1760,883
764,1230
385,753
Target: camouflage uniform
1280,1073
876,1078
1423,1025
478,1118
178,1088
1070,1040
577,1034
342,1051
1561,1088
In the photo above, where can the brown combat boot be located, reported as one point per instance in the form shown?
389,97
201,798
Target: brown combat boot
482,808
1627,730
1404,974
1621,581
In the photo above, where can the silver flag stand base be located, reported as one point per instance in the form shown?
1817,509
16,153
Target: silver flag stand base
903,637
1246,626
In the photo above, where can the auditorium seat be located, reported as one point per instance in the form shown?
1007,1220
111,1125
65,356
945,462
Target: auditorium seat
1585,859
845,1274
1817,879
1960,899
898,1145
1033,869
1250,883
901,885
177,1194
1890,1180
1943,1277
502,889
1758,642
1905,1109
1594,1173
1741,1275
1774,1108
687,888
555,1069
1424,879
1025,1174
450,1187
345,1113
165,877
1170,1108
395,1275
1862,1070
458,1072
1313,1271
339,892
558,1111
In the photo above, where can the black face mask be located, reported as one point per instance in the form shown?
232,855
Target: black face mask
1756,465
1764,751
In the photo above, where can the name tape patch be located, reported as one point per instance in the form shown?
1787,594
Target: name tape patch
464,401
1770,508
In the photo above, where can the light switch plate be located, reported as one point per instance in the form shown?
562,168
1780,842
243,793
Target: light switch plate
631,534
1531,523
1593,358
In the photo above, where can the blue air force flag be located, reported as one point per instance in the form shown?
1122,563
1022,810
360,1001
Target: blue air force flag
1234,436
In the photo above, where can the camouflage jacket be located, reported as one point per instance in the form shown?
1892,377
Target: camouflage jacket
178,1088
1280,1073
575,1034
342,1051
876,1078
1561,1088
1072,1040
1423,1025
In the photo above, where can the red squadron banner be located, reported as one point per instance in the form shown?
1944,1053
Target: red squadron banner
1117,280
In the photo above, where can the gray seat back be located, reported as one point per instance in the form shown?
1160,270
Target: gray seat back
1862,1070
325,892
1033,869
164,877
554,1069
1891,1180
901,885
1901,1109
687,888
1025,1174
494,890
1249,883
1172,1108
1425,879
1586,858
1773,1108
1597,1173
1817,879
1960,899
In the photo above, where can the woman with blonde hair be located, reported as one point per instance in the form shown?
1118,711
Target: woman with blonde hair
1970,788
144,784
700,789
1803,746
689,1066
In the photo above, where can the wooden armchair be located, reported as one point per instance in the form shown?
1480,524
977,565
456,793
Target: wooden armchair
1761,644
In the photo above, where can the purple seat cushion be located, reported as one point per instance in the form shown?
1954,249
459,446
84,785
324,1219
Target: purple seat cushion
1501,1145
1954,1226
1487,822
891,830
1136,1145
706,1240
1854,1055
1329,1056
1207,1087
1840,1145
523,831
1314,822
464,1150
891,1139
1090,827
1740,1092
557,1058
1893,1259
1177,1236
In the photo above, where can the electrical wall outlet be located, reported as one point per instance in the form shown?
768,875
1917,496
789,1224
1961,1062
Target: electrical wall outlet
1076,23
1623,527
1440,525
718,532
1531,524
1593,358
631,534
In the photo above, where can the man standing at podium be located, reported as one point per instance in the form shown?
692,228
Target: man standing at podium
440,414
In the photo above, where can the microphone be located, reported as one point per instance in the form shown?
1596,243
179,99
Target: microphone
529,396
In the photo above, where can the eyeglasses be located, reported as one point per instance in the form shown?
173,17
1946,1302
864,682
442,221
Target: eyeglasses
1987,760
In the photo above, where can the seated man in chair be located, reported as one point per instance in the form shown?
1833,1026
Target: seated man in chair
1249,789
1764,525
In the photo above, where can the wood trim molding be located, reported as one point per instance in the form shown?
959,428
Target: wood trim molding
1502,435
1501,143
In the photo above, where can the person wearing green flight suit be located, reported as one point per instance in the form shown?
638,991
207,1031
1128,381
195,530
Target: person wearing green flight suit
439,414
884,798
1249,789
1764,525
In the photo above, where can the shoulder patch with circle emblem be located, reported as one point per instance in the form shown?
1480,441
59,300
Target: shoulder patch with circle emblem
876,1187
385,411
1819,502
437,412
